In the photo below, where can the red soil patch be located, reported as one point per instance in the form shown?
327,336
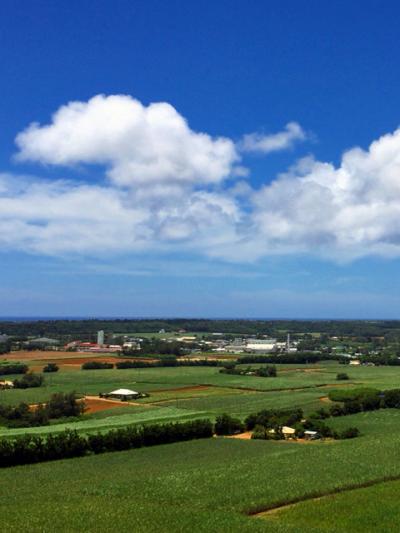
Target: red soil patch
38,355
245,436
69,359
94,405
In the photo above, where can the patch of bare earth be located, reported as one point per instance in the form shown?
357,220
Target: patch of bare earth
325,399
244,436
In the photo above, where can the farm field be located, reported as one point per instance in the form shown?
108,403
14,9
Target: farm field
218,484
184,392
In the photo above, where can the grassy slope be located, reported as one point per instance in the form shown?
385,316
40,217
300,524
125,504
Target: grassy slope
202,485
370,509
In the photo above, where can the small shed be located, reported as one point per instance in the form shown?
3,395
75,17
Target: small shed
311,435
6,384
288,432
124,394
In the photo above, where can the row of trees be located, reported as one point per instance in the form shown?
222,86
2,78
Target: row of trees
13,368
96,365
360,400
297,358
268,371
275,328
34,449
168,361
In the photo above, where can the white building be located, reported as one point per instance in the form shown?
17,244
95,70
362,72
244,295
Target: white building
100,337
261,345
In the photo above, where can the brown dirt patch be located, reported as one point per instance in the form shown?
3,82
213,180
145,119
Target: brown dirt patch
306,370
39,355
244,436
325,399
68,360
94,404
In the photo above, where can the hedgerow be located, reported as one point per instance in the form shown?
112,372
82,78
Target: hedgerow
35,449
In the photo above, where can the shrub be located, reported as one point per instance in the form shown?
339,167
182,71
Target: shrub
321,414
349,433
342,376
259,433
266,372
96,365
391,398
51,367
18,368
28,381
336,410
61,405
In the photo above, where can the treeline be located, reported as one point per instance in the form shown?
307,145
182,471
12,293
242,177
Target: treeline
34,449
262,372
297,358
5,347
88,328
162,362
381,359
358,400
96,365
9,368
59,406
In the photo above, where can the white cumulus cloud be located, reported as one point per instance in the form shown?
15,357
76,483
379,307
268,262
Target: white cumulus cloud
139,145
348,211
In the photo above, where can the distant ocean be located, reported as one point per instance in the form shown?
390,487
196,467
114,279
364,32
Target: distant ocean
310,319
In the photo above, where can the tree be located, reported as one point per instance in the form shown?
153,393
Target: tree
29,380
226,425
51,367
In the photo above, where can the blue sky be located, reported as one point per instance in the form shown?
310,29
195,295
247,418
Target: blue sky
250,188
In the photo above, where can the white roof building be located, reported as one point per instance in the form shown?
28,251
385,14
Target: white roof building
124,392
286,430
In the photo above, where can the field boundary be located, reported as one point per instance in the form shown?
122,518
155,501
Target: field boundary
280,506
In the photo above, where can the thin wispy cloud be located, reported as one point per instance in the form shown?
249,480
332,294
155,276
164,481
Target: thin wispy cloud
274,142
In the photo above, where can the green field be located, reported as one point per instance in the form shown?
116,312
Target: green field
210,485
217,484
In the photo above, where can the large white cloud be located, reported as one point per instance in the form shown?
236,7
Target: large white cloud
167,190
344,212
62,217
140,145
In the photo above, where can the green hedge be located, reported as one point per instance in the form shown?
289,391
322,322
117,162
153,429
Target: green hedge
34,449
